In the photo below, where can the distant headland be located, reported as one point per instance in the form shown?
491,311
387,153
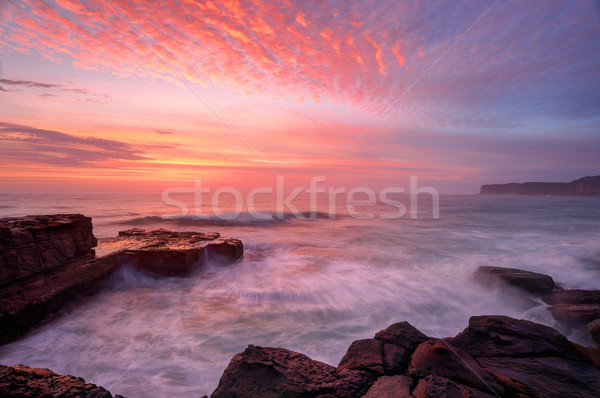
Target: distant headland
586,186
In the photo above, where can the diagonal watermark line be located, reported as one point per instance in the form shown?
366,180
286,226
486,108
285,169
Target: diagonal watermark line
178,76
168,330
418,80
431,328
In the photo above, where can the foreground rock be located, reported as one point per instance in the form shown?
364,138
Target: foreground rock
33,244
276,372
493,356
586,186
26,303
173,253
49,261
20,381
45,262
388,353
530,281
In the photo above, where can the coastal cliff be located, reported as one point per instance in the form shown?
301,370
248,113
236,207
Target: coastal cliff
33,244
586,186
48,261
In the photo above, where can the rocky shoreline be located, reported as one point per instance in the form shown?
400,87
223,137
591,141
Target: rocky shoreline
49,261
493,356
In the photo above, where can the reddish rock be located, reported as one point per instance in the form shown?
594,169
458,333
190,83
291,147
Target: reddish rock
388,353
574,296
545,377
438,357
47,261
402,334
364,355
594,329
574,307
173,253
276,372
390,387
493,356
400,341
592,353
575,314
25,303
529,358
33,244
20,381
527,280
496,335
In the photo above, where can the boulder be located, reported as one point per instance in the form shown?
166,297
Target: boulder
527,280
172,253
276,372
594,329
529,358
388,353
496,335
440,358
400,341
364,355
33,244
20,381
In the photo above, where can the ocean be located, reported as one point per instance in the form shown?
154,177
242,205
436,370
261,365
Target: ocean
311,285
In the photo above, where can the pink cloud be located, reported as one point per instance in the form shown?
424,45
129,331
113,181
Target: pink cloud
249,46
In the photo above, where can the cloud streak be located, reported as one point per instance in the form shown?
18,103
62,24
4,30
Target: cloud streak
165,132
28,83
30,144
18,85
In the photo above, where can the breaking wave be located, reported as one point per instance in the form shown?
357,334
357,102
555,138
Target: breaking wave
242,219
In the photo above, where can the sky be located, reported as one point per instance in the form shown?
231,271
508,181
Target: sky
119,95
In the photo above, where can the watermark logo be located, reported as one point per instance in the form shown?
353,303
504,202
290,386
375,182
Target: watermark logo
358,202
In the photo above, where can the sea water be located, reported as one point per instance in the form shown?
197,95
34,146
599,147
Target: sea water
311,285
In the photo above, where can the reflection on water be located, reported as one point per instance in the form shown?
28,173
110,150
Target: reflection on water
311,286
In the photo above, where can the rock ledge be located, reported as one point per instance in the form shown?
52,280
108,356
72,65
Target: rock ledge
49,261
